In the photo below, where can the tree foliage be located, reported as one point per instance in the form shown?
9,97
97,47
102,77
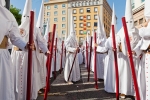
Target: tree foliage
16,12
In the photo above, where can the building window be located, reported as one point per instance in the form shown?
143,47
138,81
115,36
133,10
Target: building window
63,19
133,5
55,19
88,24
135,23
87,3
81,39
95,9
63,32
81,32
80,3
95,24
73,4
48,13
81,17
94,2
141,21
48,7
81,24
95,17
88,31
88,10
88,17
75,25
83,3
77,4
74,18
81,11
142,0
74,11
63,6
55,13
63,12
63,25
91,2
55,6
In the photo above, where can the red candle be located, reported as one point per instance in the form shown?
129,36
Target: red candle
29,73
49,63
95,60
62,48
55,59
86,51
130,58
115,62
89,65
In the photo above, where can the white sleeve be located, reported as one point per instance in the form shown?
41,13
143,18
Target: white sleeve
15,36
41,42
137,48
101,49
69,48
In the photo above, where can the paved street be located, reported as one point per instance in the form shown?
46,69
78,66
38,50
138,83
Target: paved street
81,90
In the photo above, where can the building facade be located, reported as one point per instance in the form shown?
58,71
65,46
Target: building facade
88,9
138,13
57,13
84,15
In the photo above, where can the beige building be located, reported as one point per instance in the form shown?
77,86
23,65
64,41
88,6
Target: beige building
138,12
57,12
85,16
81,9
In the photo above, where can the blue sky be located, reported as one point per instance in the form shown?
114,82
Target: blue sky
119,7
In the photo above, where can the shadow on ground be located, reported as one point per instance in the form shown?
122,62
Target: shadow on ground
81,90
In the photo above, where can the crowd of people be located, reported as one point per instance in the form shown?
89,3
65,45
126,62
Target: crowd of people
14,67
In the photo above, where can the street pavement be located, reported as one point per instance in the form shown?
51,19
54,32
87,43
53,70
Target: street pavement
81,90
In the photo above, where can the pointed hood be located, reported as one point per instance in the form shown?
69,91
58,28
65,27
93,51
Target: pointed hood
100,29
47,30
27,9
147,10
40,20
113,21
2,3
72,30
129,16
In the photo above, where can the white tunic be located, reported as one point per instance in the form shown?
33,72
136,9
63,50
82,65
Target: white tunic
7,69
71,45
144,69
100,63
20,59
80,57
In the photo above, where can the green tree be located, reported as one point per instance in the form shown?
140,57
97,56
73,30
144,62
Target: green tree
16,12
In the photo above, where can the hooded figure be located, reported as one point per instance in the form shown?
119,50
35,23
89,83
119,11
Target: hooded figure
20,59
101,54
143,47
88,39
43,58
109,69
126,83
71,47
9,29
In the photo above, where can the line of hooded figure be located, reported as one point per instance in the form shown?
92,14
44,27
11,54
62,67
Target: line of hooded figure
13,70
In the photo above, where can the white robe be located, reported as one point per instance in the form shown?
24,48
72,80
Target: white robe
100,63
71,47
144,70
125,79
20,59
80,57
7,69
134,36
